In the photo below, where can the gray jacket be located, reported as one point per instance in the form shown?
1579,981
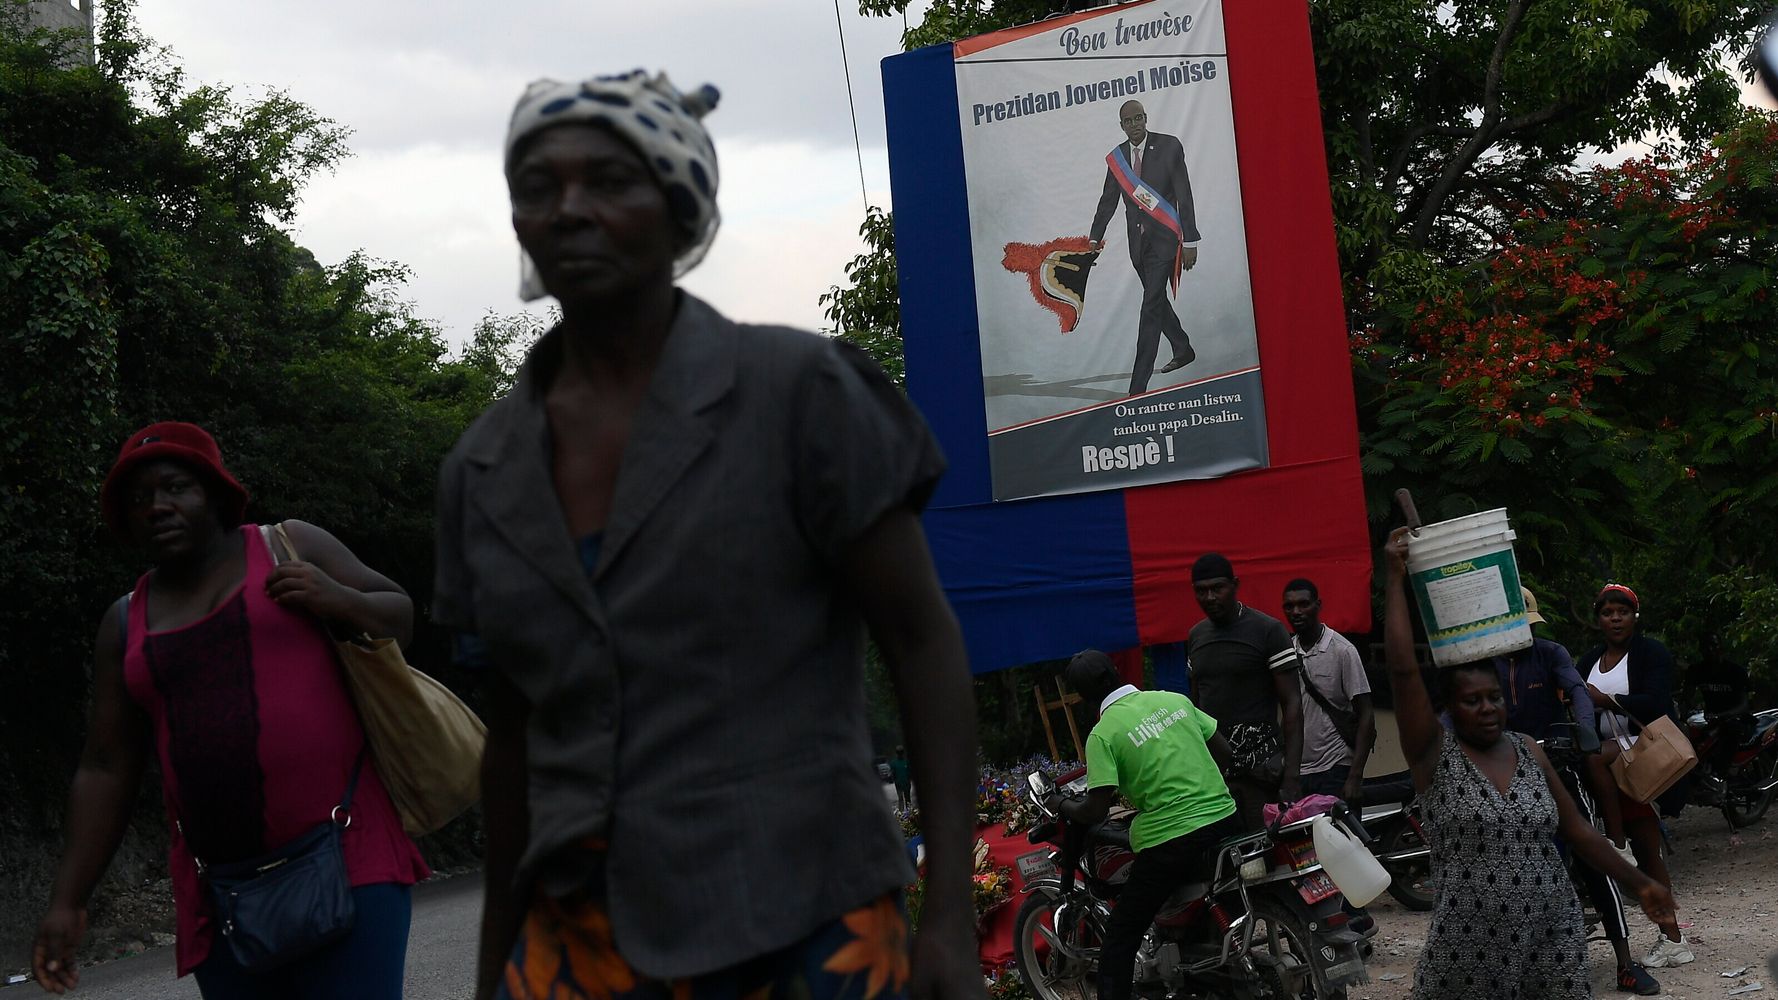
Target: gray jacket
698,703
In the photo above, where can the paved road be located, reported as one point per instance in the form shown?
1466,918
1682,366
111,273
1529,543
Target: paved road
440,956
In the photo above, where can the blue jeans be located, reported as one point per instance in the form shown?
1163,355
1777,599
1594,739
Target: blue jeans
366,965
1329,782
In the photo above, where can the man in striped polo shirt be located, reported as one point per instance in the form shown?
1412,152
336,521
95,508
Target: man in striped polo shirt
1244,674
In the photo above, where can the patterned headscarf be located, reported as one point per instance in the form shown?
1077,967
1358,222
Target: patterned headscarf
662,123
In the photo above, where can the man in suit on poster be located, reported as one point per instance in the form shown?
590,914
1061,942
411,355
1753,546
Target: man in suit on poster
1148,174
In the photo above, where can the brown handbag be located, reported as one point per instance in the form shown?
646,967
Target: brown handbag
426,743
1660,756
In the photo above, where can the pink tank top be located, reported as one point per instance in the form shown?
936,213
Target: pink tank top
257,735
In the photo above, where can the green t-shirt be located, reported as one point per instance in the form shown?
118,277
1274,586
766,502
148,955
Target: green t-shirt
1153,745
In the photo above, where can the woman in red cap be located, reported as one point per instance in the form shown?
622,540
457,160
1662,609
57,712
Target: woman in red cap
219,663
1630,679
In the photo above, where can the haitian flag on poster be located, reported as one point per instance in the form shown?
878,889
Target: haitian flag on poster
1010,350
1119,126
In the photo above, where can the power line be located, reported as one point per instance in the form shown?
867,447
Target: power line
857,146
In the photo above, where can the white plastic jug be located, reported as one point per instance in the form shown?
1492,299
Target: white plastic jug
1351,866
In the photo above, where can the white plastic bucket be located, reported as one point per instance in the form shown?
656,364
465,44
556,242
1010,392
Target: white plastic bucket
1358,873
1466,581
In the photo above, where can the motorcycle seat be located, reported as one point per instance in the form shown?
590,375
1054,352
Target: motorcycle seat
1115,832
1763,723
1388,789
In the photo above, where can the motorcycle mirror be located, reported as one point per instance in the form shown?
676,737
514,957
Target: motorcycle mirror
1039,783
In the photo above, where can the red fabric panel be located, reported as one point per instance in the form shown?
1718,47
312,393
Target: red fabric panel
970,46
996,944
1303,516
1129,665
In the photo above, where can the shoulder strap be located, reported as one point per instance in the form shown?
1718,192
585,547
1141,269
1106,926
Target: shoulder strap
122,605
274,536
1320,699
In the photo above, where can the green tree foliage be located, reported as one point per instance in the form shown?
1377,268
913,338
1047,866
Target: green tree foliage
1590,348
868,312
1610,376
146,274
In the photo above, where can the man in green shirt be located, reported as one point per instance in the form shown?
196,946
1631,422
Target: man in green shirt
1167,757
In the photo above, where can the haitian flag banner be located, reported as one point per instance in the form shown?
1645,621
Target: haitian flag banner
1195,394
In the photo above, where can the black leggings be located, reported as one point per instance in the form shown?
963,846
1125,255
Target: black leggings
1600,888
1155,875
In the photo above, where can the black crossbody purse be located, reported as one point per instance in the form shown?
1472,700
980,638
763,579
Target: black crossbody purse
289,902
286,903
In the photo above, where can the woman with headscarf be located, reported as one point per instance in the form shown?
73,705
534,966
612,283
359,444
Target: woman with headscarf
219,664
662,549
1630,681
1507,922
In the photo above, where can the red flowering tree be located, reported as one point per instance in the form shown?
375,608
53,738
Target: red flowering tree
1610,375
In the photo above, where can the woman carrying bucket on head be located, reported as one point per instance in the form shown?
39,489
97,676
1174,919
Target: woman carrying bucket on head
1630,679
1507,921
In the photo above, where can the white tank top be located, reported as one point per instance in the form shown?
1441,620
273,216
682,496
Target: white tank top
1614,682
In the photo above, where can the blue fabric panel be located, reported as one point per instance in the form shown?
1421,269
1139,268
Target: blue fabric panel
1037,580
1032,580
1170,672
932,252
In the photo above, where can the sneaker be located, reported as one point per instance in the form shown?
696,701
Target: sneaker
1668,953
1635,979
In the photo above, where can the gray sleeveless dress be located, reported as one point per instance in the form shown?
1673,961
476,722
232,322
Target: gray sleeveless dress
1507,924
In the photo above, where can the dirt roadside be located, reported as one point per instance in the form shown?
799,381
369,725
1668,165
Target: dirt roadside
1726,886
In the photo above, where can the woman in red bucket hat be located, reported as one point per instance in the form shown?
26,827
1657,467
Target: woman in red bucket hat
219,663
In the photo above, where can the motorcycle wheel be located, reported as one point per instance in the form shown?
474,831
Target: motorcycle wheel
1285,957
1047,973
1410,882
1741,811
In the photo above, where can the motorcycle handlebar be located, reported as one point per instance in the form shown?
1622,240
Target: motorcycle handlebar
1348,818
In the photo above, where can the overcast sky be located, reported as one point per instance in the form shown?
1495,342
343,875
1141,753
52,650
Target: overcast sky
426,88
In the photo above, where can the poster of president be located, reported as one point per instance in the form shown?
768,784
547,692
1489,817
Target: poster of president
1111,275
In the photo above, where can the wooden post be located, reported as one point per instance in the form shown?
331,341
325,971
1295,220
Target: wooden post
1065,699
1044,715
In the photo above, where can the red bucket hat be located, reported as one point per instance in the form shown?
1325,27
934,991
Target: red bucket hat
181,442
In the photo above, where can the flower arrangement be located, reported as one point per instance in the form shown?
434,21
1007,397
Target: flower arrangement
1008,985
1000,797
910,824
992,888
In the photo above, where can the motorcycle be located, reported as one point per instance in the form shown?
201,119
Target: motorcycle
1269,924
1746,790
1393,818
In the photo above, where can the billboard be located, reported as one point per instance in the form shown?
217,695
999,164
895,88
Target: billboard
1048,270
1113,299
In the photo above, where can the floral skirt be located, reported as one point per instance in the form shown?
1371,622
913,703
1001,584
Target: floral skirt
565,952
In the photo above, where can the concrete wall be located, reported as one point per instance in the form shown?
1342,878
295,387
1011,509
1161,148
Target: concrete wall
61,14
1386,755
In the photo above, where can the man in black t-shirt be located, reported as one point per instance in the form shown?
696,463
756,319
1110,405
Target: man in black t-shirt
1719,687
1243,671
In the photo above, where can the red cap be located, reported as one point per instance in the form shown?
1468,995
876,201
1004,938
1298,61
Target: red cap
181,442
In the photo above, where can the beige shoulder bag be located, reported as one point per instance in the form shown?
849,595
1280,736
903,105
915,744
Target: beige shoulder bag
426,743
